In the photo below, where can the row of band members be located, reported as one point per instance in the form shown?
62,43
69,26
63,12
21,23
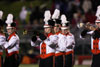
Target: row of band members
57,45
56,49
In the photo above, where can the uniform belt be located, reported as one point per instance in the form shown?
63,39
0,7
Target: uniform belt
43,56
69,52
59,54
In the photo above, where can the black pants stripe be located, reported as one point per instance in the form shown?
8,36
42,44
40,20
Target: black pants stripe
96,61
68,60
12,61
48,62
59,61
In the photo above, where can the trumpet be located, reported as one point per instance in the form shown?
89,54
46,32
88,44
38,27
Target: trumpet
87,26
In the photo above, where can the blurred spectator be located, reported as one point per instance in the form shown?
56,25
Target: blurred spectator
77,18
87,5
23,15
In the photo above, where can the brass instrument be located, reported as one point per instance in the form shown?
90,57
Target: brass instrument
88,26
24,32
34,32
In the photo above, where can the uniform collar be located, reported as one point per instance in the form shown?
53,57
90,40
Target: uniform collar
49,34
13,34
65,34
58,32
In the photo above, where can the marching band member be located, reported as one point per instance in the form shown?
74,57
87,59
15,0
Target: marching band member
47,50
95,40
68,41
12,45
2,39
59,60
57,21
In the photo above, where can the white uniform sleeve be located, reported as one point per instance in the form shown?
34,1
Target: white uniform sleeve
32,43
54,39
51,41
71,41
2,41
11,43
90,32
62,41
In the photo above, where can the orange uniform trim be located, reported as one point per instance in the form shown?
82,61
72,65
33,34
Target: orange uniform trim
59,54
15,52
58,32
48,35
43,52
95,49
70,52
46,55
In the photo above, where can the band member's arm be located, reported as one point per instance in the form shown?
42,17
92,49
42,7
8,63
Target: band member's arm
32,43
34,38
53,40
11,43
40,37
84,33
2,42
71,42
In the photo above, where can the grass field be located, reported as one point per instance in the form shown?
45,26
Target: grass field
36,65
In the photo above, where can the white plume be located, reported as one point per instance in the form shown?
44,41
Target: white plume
9,19
47,16
56,14
63,20
98,12
1,14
